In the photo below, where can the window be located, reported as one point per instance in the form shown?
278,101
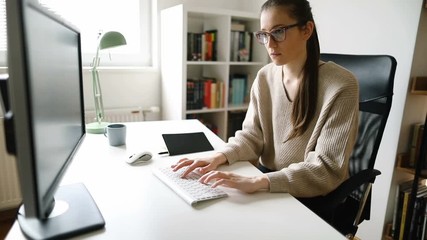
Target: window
131,17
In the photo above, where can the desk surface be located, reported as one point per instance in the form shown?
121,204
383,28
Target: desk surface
135,204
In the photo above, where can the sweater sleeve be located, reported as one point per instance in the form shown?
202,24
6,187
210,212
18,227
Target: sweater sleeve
325,164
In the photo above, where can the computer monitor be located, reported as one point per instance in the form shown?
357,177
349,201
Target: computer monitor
46,97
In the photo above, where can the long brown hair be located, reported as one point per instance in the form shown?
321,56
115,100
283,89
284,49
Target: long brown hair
304,106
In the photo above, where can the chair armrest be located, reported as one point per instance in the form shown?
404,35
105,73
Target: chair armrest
348,186
325,206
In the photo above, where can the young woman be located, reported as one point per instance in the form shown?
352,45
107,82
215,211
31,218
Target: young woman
302,119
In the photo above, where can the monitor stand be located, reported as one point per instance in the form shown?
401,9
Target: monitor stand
81,216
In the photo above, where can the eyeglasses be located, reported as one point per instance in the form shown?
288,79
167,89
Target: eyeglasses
278,34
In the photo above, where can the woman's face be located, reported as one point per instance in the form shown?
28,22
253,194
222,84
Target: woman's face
293,48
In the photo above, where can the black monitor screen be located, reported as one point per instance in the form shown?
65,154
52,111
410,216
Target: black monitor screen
45,88
55,97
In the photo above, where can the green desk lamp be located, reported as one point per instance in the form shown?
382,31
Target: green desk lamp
106,41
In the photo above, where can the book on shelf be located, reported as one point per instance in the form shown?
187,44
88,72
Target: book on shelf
401,223
397,212
415,148
202,46
241,46
194,94
405,200
205,92
237,26
424,222
417,227
238,89
210,47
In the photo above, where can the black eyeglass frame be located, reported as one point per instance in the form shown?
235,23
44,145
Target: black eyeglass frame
271,35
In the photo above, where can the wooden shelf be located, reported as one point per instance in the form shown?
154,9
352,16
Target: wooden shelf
419,85
402,164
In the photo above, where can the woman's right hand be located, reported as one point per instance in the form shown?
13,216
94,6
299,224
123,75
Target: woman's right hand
203,165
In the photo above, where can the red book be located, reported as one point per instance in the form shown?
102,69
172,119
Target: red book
207,93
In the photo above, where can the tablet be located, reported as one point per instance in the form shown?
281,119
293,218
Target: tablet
182,143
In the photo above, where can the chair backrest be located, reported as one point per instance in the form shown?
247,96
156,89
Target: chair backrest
375,74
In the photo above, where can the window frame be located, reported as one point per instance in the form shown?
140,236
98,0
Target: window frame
113,57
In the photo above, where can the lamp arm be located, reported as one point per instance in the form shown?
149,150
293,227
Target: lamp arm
97,94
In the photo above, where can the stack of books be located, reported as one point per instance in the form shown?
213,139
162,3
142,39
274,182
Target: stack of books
241,46
202,46
417,224
205,93
238,89
241,43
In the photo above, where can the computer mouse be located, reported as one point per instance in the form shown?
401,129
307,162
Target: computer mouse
139,157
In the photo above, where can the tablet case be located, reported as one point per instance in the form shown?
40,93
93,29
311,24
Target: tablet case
181,143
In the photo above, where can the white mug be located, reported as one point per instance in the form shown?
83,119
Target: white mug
116,134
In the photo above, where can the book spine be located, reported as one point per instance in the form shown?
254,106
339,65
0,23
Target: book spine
236,47
203,46
394,229
414,152
420,218
211,45
219,95
213,95
200,86
191,104
207,93
190,46
423,229
404,211
402,188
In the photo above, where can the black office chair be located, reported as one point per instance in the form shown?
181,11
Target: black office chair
348,205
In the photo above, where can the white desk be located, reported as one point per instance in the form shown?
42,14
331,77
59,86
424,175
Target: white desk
136,205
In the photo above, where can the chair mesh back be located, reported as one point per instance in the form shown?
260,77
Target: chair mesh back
375,75
364,153
369,124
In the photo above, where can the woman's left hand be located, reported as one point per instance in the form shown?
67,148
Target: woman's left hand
232,180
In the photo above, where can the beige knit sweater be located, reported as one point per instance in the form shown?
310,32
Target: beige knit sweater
314,163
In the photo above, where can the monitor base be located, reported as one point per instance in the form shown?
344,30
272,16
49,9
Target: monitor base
81,216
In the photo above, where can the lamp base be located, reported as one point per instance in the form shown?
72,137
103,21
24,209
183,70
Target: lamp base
97,128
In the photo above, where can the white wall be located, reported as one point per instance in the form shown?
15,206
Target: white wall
132,87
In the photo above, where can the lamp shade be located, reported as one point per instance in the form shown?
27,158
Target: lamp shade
111,39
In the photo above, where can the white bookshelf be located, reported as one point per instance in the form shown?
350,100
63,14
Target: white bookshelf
176,22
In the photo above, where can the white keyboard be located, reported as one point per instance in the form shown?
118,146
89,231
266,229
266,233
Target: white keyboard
189,188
